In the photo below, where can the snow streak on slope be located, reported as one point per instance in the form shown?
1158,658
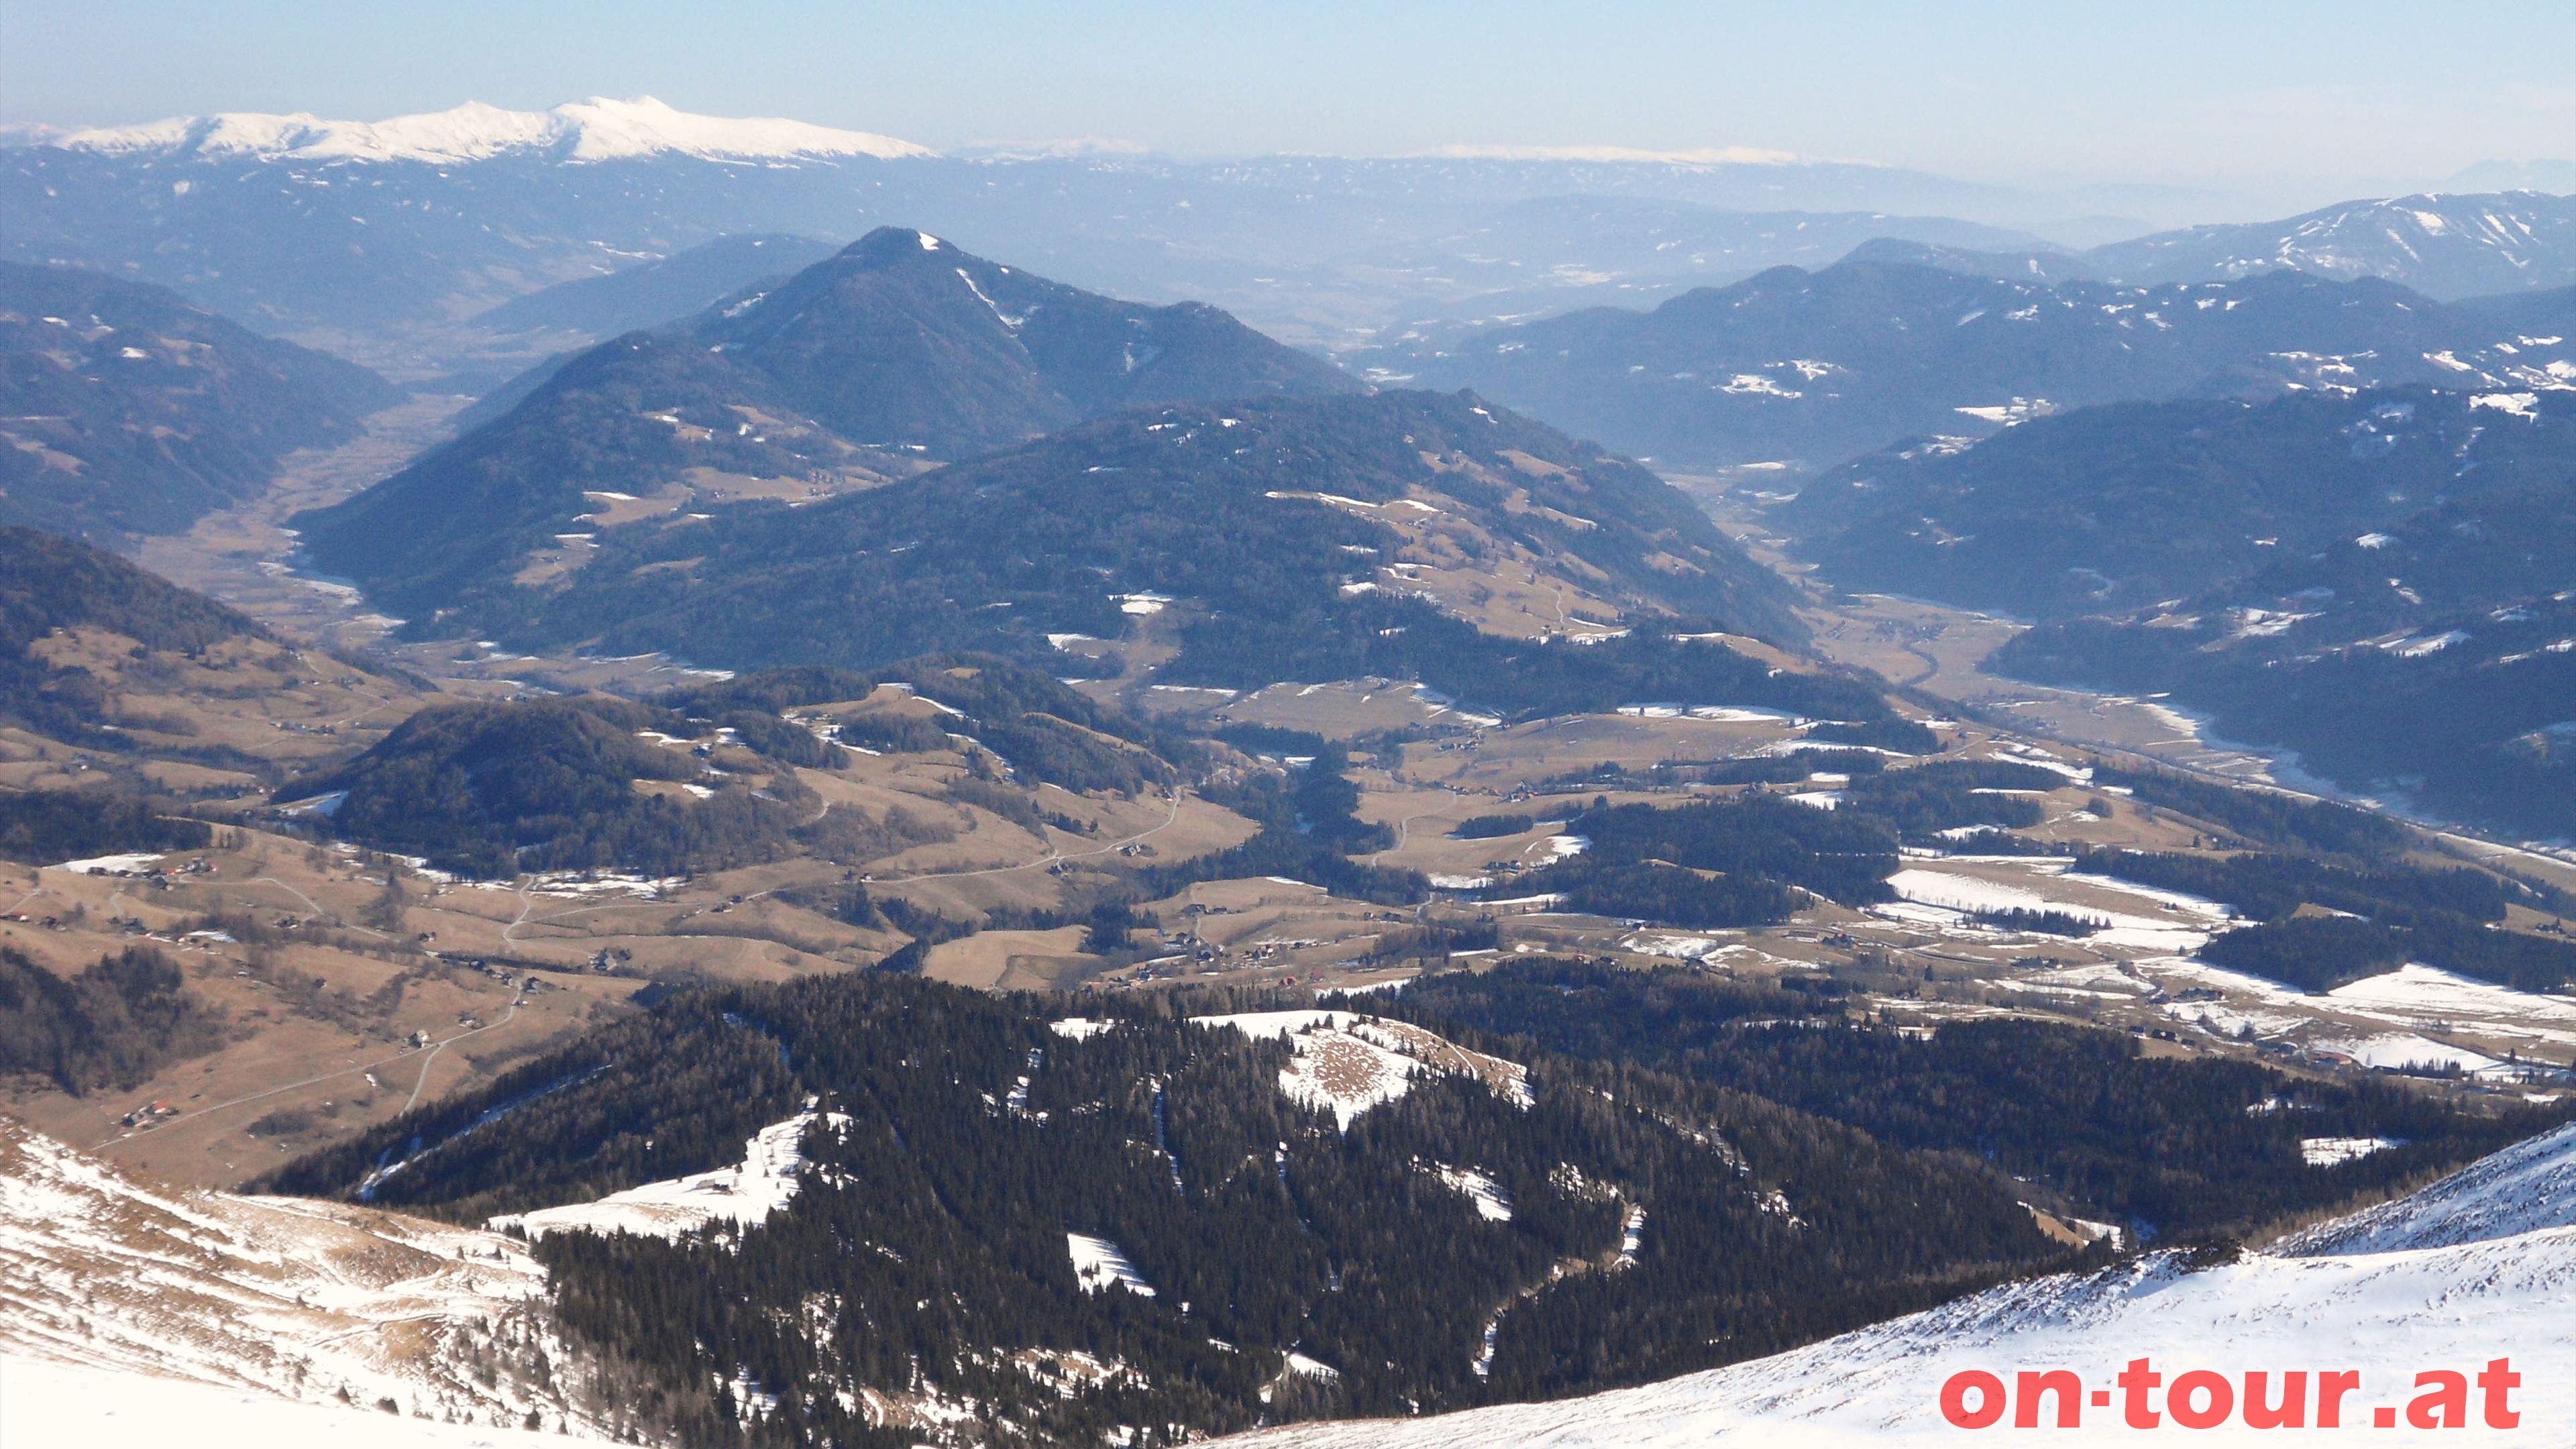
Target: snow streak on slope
594,130
296,1299
1098,1263
2479,1266
761,1184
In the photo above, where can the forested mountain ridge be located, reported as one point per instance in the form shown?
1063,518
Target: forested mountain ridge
1274,531
47,584
897,348
2137,504
494,789
1895,341
1653,1203
129,411
2378,581
1678,1226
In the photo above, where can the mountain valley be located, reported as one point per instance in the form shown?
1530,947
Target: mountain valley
796,843
131,412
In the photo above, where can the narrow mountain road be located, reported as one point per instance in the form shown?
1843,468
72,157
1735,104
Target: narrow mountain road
1050,858
315,909
325,1077
431,1056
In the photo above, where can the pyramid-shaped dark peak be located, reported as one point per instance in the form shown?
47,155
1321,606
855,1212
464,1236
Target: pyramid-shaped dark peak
894,246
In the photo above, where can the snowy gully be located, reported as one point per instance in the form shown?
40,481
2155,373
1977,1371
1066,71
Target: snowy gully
2206,1399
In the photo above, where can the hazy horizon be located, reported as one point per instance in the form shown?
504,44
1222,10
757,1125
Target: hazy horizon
2222,112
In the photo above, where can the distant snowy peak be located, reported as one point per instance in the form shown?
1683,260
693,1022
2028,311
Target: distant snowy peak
584,131
2447,245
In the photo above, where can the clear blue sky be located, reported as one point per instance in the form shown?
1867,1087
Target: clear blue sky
2292,97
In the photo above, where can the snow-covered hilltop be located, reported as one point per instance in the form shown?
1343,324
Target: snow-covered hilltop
2479,1266
597,129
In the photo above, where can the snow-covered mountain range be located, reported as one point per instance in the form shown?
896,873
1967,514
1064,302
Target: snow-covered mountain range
2479,1266
598,129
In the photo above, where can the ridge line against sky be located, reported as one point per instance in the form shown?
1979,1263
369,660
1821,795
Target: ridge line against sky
2294,102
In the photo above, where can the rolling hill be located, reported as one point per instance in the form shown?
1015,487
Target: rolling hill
149,697
1899,341
51,586
129,411
1294,538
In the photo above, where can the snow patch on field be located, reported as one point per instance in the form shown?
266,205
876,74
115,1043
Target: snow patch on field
2417,992
108,864
1923,885
1348,1063
2397,1050
1491,1202
2329,1151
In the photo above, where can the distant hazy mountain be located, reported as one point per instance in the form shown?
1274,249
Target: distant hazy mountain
2384,583
654,292
2558,177
375,236
1901,341
900,347
1550,253
2443,246
126,410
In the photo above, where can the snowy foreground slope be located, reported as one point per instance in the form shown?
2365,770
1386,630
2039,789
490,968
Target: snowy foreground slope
2481,1265
135,1314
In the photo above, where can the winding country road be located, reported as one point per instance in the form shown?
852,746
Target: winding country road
426,1058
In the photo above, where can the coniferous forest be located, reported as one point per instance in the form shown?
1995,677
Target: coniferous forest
1702,1171
928,1243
